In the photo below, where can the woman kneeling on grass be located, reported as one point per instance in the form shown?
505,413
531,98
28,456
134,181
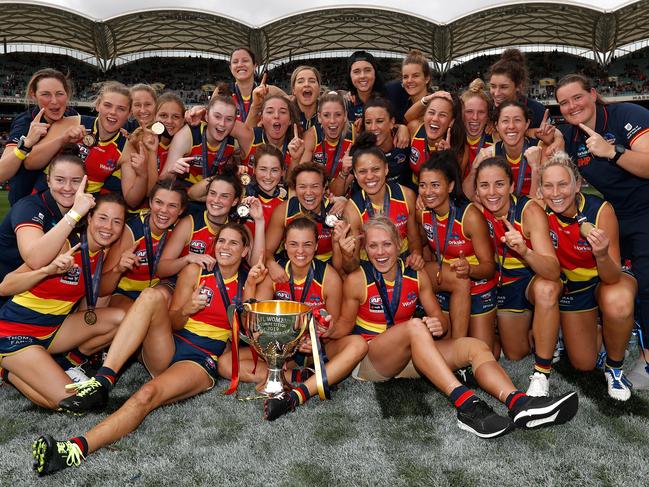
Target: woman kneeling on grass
379,301
180,349
39,320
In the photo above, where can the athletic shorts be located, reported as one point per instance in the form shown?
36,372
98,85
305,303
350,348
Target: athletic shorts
24,336
578,300
481,303
512,296
186,352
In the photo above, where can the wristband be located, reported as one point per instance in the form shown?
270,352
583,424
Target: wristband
20,154
71,223
74,215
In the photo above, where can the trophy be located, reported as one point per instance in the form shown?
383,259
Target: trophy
273,329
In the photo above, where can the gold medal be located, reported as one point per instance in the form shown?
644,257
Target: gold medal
438,276
243,210
245,179
90,317
89,140
585,228
158,128
282,192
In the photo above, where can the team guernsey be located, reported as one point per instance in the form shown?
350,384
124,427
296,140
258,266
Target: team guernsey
578,265
514,266
259,139
34,316
620,123
474,146
457,242
205,334
420,151
268,202
203,237
330,155
371,318
215,157
397,210
294,209
102,159
314,297
516,163
243,102
136,280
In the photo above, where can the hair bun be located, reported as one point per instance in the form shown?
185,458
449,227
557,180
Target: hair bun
365,140
70,150
476,86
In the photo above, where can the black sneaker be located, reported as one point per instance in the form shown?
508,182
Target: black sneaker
478,418
90,395
277,406
538,412
51,456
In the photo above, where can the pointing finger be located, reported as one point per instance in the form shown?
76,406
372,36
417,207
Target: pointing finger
72,250
587,129
264,78
38,117
448,135
545,117
82,186
296,133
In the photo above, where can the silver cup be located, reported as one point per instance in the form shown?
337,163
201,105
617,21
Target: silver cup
273,329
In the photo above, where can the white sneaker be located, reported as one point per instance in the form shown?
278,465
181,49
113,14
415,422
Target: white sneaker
639,375
77,374
539,385
619,387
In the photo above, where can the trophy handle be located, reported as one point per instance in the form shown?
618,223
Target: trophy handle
231,310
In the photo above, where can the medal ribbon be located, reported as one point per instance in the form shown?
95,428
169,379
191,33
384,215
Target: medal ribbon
439,252
522,169
90,280
305,286
500,260
386,202
240,103
336,161
322,382
389,307
217,159
151,257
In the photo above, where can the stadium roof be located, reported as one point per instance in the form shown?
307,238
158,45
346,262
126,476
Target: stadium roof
106,33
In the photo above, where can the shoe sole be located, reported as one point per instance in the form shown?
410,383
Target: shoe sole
559,412
39,452
463,426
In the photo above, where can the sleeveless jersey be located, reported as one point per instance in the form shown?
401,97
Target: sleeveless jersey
515,164
371,320
259,139
101,160
514,266
575,254
457,242
203,238
195,173
315,296
325,246
324,153
474,146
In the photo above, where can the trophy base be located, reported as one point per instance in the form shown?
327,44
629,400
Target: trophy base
274,385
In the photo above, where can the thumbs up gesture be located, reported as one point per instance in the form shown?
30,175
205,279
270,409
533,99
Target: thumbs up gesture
461,266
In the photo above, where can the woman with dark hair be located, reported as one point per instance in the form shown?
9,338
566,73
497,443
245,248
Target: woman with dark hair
528,270
50,90
39,320
132,263
376,196
463,272
522,153
610,144
364,81
180,348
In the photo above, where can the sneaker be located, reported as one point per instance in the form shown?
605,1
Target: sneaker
277,406
558,350
539,412
639,375
51,456
77,374
619,387
539,385
90,395
481,420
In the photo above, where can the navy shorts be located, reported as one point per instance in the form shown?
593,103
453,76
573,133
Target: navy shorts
186,352
512,296
481,303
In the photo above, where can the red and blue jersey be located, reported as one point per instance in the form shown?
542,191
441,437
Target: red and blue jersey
42,309
315,294
514,266
515,163
371,319
420,151
203,237
473,149
195,173
294,209
324,152
458,242
102,159
259,139
575,254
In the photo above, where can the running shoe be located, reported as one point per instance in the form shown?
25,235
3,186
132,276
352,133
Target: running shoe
51,456
90,395
619,387
277,406
539,385
77,374
478,418
539,412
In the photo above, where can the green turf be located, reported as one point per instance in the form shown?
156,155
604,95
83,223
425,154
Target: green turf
400,433
4,203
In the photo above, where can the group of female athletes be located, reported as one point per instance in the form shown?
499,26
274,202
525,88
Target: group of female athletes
436,230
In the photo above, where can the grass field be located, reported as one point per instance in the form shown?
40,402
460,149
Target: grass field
398,433
4,203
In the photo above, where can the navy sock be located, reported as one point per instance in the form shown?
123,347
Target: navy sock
460,396
613,364
106,377
516,397
300,394
542,365
82,444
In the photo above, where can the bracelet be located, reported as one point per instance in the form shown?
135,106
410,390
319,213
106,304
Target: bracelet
74,215
71,223
20,154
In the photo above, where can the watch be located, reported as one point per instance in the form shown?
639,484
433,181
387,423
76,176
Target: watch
619,150
21,146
